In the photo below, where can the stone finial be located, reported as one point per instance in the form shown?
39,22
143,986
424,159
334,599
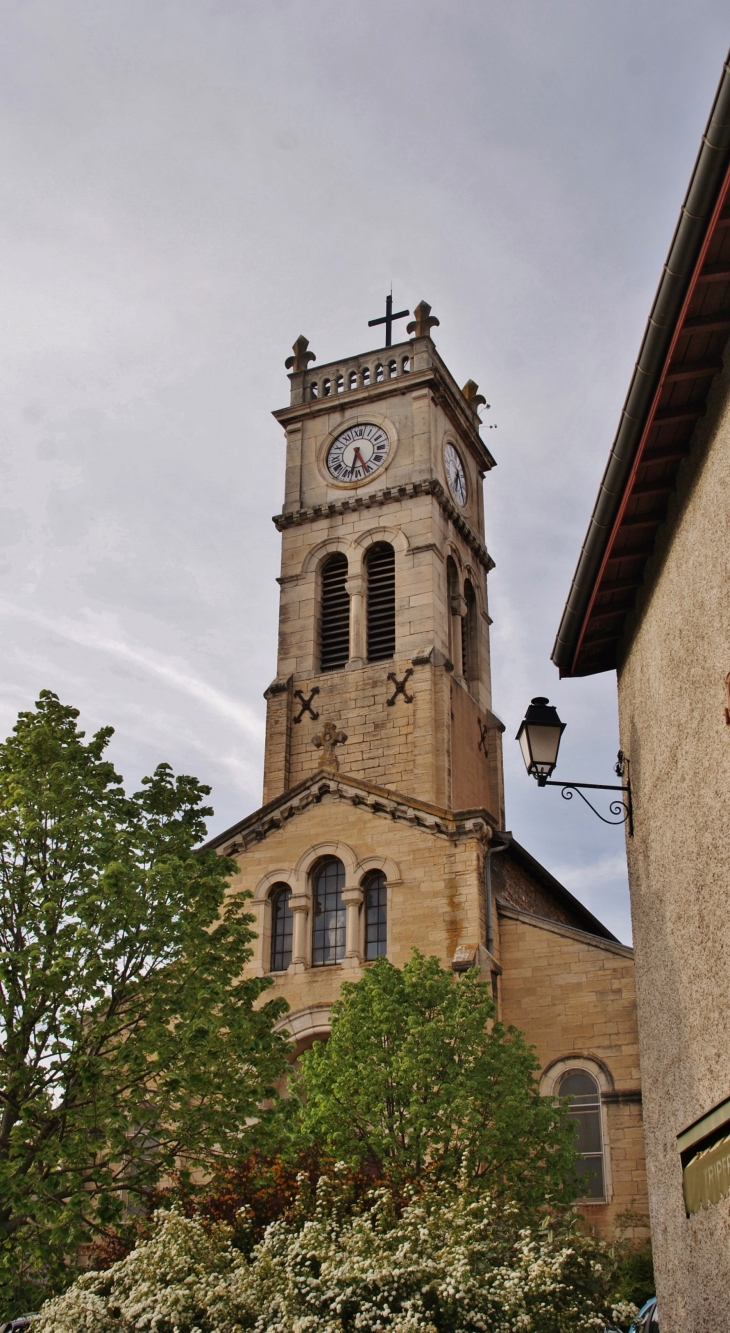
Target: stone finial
474,400
423,323
301,358
326,741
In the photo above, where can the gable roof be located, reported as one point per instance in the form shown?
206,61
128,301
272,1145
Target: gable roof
680,355
393,805
378,800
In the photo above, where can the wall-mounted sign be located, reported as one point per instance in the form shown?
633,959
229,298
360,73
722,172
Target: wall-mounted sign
705,1152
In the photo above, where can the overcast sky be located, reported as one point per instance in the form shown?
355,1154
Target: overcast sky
189,186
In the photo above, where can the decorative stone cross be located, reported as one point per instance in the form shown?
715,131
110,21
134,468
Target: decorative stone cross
326,741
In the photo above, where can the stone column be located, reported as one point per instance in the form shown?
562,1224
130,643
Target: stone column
355,586
299,904
352,896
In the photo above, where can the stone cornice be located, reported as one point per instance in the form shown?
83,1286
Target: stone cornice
451,824
392,495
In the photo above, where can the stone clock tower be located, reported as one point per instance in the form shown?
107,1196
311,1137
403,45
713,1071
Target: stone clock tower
383,790
384,626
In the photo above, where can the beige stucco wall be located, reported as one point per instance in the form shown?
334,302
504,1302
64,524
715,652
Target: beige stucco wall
574,998
672,699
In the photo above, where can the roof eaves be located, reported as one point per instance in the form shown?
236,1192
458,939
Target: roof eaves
708,177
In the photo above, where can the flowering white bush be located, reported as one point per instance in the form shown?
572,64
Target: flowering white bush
447,1263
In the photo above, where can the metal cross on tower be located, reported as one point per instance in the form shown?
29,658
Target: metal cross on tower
387,319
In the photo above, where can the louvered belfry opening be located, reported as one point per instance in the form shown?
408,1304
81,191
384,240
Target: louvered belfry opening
380,563
335,630
468,633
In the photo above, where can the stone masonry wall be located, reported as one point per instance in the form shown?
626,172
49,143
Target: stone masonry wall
576,998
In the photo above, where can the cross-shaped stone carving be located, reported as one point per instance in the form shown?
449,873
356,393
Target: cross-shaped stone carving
301,358
306,705
424,321
400,687
326,741
483,733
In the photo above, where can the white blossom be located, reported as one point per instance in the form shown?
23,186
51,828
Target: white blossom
448,1262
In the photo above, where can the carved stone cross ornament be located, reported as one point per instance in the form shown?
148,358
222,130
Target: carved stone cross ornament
400,687
306,705
326,741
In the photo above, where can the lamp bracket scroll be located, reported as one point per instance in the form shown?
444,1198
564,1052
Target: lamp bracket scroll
621,807
539,737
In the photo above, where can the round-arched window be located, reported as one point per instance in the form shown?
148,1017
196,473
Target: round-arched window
328,931
584,1109
376,915
282,928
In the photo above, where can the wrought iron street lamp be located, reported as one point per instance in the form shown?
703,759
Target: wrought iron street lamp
539,737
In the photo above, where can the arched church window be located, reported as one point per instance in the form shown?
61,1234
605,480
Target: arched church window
340,383
469,634
328,932
376,916
366,376
584,1110
335,621
392,369
406,364
379,373
282,927
326,388
380,566
313,390
353,379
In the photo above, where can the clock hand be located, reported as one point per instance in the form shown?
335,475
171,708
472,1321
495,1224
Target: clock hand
357,454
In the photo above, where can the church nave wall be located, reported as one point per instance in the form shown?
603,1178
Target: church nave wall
574,997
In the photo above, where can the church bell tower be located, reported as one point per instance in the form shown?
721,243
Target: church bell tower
383,799
383,668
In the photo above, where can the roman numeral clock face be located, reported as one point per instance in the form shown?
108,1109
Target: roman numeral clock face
357,452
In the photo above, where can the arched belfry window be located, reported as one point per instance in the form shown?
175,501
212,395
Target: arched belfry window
282,927
380,566
452,592
376,916
328,932
584,1109
335,614
469,634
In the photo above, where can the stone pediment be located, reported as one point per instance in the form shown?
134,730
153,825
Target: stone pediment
378,801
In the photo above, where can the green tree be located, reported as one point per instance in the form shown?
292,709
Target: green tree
128,1038
418,1078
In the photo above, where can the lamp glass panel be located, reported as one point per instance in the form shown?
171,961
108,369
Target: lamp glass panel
525,747
544,743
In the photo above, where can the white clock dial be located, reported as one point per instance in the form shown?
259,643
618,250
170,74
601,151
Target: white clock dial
357,452
455,474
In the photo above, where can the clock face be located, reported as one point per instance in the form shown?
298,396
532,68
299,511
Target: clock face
455,474
357,452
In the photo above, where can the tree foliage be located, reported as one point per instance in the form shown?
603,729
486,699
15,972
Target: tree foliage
127,1035
418,1077
449,1262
